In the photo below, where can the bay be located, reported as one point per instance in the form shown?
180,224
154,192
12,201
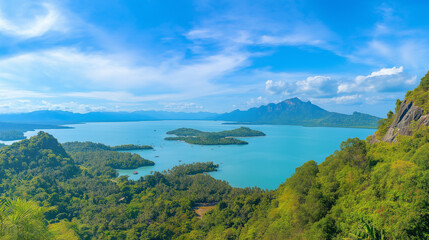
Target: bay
265,162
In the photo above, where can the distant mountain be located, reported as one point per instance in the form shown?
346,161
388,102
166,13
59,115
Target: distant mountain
64,117
296,112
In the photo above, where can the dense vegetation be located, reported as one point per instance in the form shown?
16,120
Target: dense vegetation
10,135
296,112
103,155
130,147
420,95
193,136
90,147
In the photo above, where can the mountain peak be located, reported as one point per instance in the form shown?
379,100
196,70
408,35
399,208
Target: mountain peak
294,111
293,100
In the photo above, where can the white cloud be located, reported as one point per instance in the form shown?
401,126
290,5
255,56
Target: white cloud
384,80
71,71
346,99
385,72
122,96
39,25
292,39
316,86
10,93
276,87
19,105
311,33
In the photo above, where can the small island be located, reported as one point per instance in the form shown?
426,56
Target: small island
128,147
100,154
193,136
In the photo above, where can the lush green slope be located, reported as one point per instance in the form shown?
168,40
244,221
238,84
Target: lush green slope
362,189
420,95
193,136
296,112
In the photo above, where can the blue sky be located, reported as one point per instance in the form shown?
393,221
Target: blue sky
128,55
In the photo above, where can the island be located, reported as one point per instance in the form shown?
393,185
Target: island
193,136
128,147
97,154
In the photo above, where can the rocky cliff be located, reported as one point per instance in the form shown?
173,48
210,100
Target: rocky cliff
408,118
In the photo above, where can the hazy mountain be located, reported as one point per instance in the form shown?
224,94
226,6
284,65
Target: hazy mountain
296,112
64,117
292,111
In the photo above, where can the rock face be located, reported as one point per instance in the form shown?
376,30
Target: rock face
401,125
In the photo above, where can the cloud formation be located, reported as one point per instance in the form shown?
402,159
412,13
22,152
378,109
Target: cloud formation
385,80
316,86
276,87
69,70
39,25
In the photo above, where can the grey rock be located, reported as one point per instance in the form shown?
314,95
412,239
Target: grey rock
401,125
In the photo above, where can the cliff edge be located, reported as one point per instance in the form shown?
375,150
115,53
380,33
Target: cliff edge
411,114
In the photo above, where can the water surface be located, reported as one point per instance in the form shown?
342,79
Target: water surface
265,162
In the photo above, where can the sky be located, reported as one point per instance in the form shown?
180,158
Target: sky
211,56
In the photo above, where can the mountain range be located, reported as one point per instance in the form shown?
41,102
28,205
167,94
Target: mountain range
289,112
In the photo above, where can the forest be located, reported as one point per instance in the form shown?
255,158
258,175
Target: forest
364,190
193,136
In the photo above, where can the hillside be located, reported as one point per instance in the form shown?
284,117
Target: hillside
366,190
296,112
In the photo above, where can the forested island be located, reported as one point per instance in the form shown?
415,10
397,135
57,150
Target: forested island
101,155
128,147
368,189
193,136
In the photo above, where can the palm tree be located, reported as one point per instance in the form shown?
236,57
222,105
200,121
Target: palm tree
22,220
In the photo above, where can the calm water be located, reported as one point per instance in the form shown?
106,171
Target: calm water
265,162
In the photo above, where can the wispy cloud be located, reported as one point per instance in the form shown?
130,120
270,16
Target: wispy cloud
21,105
49,19
68,70
183,106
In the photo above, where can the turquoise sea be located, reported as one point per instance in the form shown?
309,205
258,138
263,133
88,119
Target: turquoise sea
265,162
